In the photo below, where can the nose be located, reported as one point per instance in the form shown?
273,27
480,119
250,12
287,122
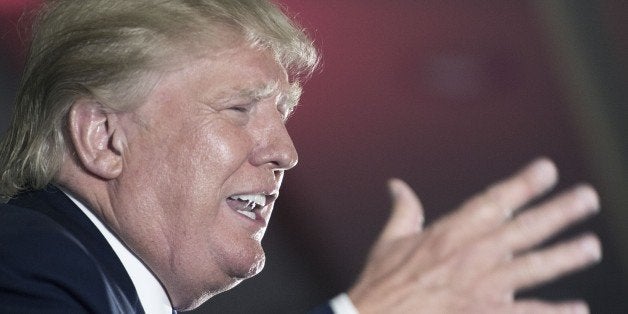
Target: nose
274,147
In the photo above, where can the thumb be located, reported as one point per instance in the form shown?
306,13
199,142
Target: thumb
407,212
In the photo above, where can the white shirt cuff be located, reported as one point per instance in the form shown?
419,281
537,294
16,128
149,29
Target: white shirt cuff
341,304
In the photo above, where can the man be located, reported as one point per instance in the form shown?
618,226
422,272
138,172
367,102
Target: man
147,149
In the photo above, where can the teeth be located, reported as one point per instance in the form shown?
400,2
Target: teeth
253,200
248,214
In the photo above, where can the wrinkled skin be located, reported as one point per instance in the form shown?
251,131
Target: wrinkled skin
161,176
476,258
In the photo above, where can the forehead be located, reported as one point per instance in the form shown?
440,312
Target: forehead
243,71
252,75
214,75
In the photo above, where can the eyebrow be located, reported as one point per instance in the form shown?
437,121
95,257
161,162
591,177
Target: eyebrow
258,93
287,99
292,96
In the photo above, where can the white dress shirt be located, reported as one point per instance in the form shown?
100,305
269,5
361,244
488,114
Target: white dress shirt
341,304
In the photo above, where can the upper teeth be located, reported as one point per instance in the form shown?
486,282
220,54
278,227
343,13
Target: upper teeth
253,200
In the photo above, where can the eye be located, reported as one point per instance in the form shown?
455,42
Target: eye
240,112
241,108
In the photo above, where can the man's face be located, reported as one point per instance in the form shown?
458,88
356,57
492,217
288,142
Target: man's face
205,158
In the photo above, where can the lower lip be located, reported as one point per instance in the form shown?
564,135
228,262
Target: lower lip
259,220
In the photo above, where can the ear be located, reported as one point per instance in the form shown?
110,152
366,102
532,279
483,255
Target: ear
99,141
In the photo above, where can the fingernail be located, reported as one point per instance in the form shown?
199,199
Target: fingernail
393,188
580,308
589,196
591,245
544,168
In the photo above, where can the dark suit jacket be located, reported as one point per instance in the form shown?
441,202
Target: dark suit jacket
54,260
322,309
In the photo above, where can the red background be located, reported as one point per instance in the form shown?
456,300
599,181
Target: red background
448,95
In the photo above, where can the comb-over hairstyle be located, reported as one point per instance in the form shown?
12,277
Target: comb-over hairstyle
107,50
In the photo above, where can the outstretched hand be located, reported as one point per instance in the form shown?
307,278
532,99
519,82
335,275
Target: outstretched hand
475,259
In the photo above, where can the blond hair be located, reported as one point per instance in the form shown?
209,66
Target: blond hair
104,49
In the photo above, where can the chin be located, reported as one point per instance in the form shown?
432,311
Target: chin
252,267
242,265
257,267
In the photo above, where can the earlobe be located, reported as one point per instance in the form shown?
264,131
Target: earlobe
97,138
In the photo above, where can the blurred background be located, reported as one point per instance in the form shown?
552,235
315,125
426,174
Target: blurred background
448,95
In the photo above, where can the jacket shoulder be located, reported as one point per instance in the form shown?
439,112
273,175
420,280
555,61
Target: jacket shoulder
46,269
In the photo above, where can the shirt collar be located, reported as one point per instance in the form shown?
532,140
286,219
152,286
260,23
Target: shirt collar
150,291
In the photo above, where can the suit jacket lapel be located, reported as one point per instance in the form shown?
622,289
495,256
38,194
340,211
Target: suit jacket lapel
55,204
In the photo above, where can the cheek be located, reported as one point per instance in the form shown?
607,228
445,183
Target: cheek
204,161
220,150
186,170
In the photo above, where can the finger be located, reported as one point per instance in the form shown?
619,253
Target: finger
538,267
407,212
536,225
542,307
500,200
486,211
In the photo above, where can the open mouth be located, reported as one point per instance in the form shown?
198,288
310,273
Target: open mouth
247,204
